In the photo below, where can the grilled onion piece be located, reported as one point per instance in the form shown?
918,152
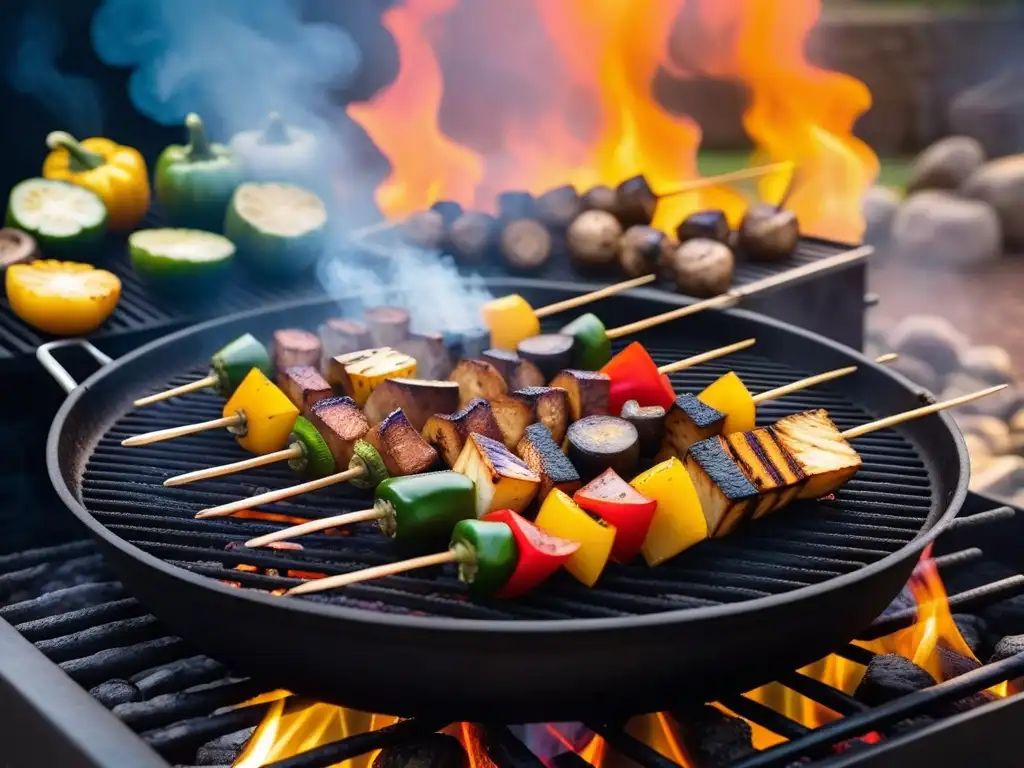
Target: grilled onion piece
304,386
448,432
597,443
418,398
588,392
340,422
477,378
822,453
543,454
503,480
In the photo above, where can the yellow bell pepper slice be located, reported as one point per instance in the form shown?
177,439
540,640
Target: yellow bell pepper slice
510,319
561,516
114,172
729,395
678,519
64,298
269,414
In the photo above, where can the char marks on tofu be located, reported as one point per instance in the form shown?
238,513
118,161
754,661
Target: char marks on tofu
768,466
819,449
448,433
688,421
340,422
358,373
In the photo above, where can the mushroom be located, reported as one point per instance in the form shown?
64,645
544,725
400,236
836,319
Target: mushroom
635,201
599,198
525,244
593,239
711,225
768,233
703,268
642,249
559,206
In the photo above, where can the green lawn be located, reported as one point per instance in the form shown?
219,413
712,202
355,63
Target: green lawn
894,171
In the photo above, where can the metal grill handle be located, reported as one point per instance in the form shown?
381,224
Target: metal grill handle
60,374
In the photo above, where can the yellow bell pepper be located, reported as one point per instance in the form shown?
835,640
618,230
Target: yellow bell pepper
269,414
114,172
561,516
62,297
730,396
678,519
510,319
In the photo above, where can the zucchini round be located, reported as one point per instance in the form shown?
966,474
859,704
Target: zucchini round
316,459
367,458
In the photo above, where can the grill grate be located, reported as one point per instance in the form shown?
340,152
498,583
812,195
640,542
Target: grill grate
876,514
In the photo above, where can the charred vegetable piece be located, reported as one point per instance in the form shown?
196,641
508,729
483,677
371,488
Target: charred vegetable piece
472,236
486,553
423,229
448,433
516,205
561,516
539,554
518,373
616,502
510,320
341,423
430,353
824,456
291,346
418,398
599,198
513,415
316,459
635,376
769,468
678,521
551,408
635,201
478,379
340,336
449,210
559,206
551,352
358,373
593,240
269,414
232,362
729,395
593,349
642,249
368,459
437,750
423,509
709,225
703,268
649,421
688,421
588,392
597,443
768,233
400,445
726,496
304,386
543,454
502,480
388,325
525,245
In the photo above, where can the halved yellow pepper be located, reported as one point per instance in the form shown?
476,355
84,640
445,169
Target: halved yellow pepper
64,298
269,414
678,519
510,319
561,516
730,396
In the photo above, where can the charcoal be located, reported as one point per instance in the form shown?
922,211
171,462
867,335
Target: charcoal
434,751
60,553
171,707
178,675
890,676
954,664
713,738
973,630
178,742
225,749
74,621
16,586
122,662
115,692
61,600
1009,646
569,760
908,725
1003,618
116,633
979,699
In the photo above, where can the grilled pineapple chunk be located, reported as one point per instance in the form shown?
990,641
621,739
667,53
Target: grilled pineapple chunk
503,481
729,395
688,421
358,373
726,496
821,452
769,468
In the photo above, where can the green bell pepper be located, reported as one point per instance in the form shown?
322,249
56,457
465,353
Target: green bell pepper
424,508
279,152
232,363
593,348
194,183
486,553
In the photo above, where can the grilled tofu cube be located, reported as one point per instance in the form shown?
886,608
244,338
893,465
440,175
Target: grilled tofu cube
588,392
543,454
430,353
514,415
730,396
822,453
292,346
269,414
551,408
688,421
503,480
448,432
518,373
726,496
358,373
304,386
769,468
340,422
404,451
478,378
419,398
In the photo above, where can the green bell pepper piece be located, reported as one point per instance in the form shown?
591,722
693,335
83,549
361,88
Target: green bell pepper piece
232,363
486,553
424,508
593,347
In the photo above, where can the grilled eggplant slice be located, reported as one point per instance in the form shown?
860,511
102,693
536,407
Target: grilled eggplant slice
551,408
551,352
597,443
688,421
304,386
518,373
448,433
650,425
401,447
726,496
388,325
340,336
358,373
543,454
514,415
291,346
340,422
503,480
477,378
824,456
430,353
769,468
418,398
588,392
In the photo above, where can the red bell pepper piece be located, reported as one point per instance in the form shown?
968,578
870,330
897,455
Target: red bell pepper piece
619,504
635,376
540,554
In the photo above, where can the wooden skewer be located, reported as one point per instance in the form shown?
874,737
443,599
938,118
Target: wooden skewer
888,357
313,526
704,357
726,178
820,378
203,383
187,429
377,572
734,296
224,510
586,298
293,451
926,410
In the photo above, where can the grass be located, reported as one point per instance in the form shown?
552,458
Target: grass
894,171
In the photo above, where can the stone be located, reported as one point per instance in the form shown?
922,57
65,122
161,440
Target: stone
988,362
946,164
930,338
934,228
1000,184
919,372
879,206
890,676
1002,404
993,113
1009,646
993,431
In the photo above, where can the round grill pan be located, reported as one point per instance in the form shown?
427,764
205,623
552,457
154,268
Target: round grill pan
724,617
